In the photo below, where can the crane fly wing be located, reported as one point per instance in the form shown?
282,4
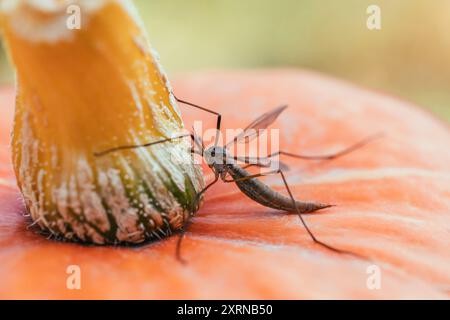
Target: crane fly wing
265,120
255,128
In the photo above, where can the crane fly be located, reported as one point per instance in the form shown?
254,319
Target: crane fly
224,168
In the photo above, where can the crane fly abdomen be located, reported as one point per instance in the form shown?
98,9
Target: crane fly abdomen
264,195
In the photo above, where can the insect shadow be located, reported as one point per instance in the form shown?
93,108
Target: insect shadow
225,168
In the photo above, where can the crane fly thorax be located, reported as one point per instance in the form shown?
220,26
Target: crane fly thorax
216,158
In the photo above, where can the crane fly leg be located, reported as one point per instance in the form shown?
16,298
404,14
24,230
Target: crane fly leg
304,222
208,186
103,153
178,248
219,116
182,233
251,177
313,237
332,156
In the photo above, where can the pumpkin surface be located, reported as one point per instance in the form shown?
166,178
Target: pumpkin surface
392,197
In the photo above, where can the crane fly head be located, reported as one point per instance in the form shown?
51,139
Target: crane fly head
216,156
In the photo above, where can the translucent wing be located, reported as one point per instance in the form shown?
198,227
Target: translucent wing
258,126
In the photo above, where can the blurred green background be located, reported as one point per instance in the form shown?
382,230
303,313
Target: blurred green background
409,57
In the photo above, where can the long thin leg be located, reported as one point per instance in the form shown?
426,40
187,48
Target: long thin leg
183,231
304,222
297,211
178,249
281,165
100,154
251,177
216,178
219,116
263,161
336,155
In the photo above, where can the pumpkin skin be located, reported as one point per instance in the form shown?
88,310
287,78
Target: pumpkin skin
392,197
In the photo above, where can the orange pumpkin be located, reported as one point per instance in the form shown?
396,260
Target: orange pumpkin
392,197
